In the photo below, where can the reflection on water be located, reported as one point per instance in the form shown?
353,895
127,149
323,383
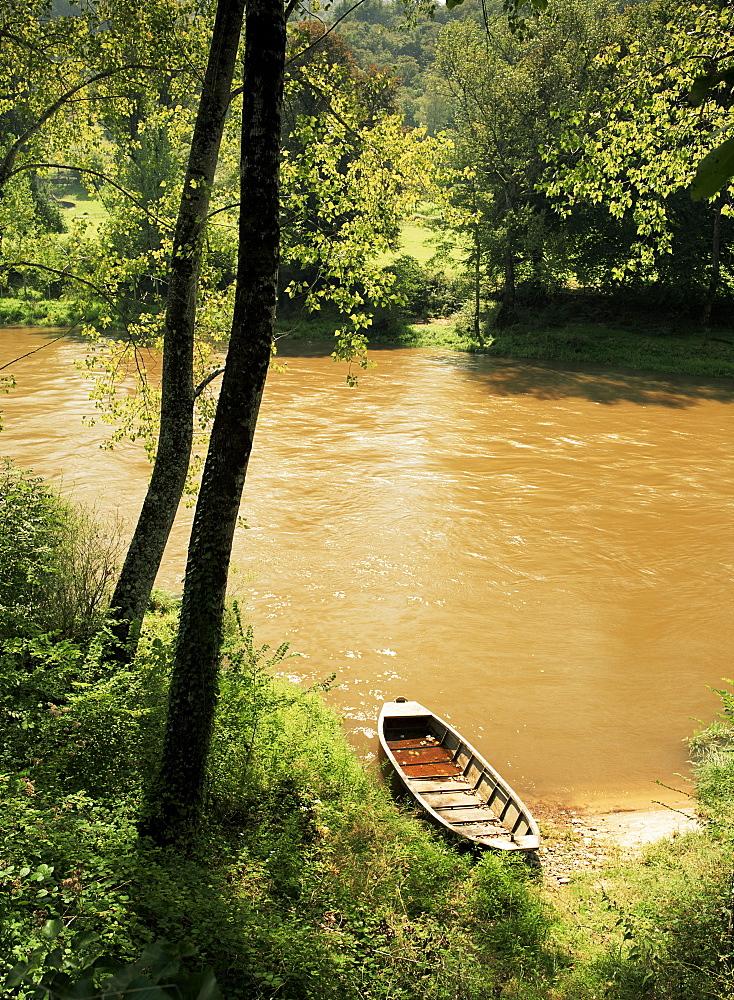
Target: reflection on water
542,555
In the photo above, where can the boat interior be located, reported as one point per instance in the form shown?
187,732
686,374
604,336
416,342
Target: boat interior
439,768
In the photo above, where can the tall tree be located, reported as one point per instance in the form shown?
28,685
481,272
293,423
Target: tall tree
637,154
511,93
177,390
176,798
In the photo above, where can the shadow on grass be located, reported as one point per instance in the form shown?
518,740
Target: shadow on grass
561,380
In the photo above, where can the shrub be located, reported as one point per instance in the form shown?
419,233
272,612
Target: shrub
57,562
515,921
31,519
713,752
422,290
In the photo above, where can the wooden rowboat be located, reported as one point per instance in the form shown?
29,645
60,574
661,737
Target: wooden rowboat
451,782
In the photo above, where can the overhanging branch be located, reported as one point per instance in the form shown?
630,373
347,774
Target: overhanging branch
209,379
93,173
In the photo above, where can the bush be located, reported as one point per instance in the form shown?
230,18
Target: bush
713,752
57,562
424,291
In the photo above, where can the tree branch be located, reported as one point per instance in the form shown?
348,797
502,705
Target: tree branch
94,173
36,350
7,163
202,385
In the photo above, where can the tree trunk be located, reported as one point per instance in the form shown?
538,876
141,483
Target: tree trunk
507,309
477,287
715,262
175,802
177,402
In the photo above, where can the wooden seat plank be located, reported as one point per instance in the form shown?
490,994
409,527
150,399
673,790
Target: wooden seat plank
476,815
444,800
448,784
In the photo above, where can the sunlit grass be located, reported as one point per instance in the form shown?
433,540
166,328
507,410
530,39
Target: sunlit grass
74,202
420,242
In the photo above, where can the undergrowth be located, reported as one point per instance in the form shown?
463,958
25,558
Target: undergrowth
36,311
306,881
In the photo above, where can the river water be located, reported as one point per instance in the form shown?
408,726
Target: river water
543,555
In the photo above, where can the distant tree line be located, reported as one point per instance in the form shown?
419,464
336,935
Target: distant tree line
572,144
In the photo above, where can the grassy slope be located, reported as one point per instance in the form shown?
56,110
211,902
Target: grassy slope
75,203
692,353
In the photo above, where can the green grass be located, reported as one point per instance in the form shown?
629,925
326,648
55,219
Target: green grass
47,312
704,354
419,241
75,202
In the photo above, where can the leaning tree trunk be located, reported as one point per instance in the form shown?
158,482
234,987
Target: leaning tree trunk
174,804
177,399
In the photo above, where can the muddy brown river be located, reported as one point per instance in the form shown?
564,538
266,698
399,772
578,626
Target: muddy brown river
543,555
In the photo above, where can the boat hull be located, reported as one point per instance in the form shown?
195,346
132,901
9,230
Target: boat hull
451,783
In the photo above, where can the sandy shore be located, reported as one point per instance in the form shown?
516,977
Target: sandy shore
579,841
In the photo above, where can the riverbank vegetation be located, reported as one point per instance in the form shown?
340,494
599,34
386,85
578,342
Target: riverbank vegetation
306,879
451,182
171,803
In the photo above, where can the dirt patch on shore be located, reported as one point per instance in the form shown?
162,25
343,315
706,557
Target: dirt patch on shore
576,841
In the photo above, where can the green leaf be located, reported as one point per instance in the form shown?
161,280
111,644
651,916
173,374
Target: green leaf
51,929
703,85
85,989
17,974
203,986
714,170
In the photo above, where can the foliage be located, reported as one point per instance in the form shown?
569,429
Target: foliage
57,562
84,974
510,95
713,752
424,290
350,174
378,36
641,144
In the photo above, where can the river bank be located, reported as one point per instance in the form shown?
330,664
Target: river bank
577,841
638,342
665,349
704,353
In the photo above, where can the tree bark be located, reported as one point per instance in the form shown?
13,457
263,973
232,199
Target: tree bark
477,286
175,802
715,271
175,437
507,309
